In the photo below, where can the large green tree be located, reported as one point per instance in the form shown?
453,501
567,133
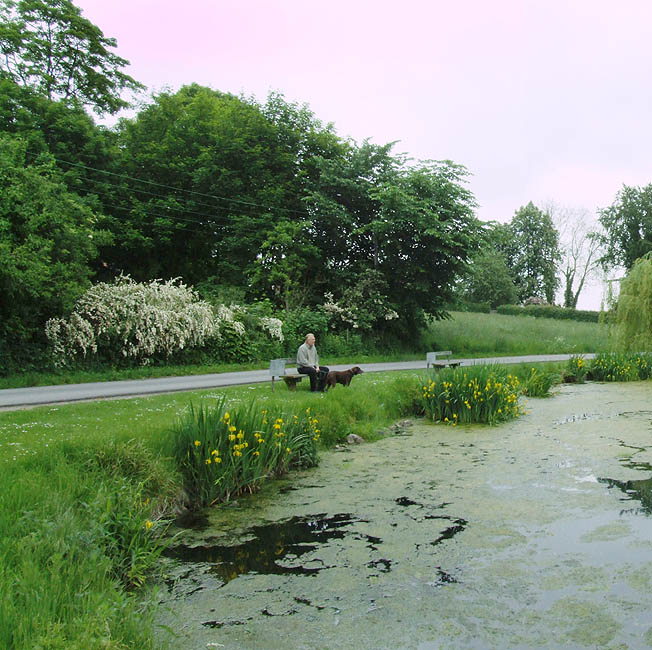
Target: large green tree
627,224
489,278
282,269
49,46
48,236
413,224
633,321
204,177
536,253
81,148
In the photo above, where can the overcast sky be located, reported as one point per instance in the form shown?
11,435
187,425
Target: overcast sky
542,101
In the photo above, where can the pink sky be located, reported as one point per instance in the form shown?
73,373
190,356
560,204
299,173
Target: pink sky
541,100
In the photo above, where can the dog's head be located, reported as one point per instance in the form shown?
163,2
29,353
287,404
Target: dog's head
356,371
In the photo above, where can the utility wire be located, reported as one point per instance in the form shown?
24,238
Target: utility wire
170,187
149,210
144,209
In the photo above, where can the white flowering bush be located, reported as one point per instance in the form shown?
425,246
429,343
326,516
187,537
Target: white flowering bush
133,320
230,317
274,327
362,306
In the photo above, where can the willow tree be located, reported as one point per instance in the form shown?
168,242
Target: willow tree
633,328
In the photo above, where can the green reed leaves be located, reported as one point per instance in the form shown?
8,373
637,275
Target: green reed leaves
485,394
221,453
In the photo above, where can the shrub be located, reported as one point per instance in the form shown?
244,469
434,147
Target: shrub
298,323
346,343
363,306
143,322
132,320
484,393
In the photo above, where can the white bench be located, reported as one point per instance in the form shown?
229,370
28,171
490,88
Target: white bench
277,369
441,359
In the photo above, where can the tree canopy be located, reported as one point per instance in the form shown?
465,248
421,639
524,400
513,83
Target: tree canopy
489,278
633,322
627,224
47,45
412,223
236,196
535,253
48,236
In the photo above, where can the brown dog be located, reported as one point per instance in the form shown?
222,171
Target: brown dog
341,377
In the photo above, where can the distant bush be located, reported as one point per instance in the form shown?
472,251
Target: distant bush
346,343
550,311
298,323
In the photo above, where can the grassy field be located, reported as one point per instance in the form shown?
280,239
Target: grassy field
481,335
467,334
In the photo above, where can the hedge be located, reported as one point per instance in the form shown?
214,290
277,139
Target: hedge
550,311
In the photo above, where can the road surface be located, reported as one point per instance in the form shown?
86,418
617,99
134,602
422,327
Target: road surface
25,397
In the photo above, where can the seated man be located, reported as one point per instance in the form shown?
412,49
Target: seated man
308,364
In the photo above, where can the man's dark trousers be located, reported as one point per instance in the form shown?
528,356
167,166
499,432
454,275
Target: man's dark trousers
317,379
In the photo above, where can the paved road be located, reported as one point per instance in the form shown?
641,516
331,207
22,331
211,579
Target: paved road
25,397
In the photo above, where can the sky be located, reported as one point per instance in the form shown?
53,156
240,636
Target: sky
543,101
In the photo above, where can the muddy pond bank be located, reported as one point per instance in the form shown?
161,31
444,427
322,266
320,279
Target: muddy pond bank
533,534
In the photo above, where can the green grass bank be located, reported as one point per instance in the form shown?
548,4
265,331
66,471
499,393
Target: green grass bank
482,335
467,334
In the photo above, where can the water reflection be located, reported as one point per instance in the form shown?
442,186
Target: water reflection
272,543
640,490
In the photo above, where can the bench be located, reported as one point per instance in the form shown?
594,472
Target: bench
437,360
277,369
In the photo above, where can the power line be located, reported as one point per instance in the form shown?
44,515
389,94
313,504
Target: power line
148,212
145,209
176,189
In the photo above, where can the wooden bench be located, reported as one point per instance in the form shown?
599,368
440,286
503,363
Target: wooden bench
277,369
441,359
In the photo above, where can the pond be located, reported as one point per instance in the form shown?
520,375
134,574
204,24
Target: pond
537,533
